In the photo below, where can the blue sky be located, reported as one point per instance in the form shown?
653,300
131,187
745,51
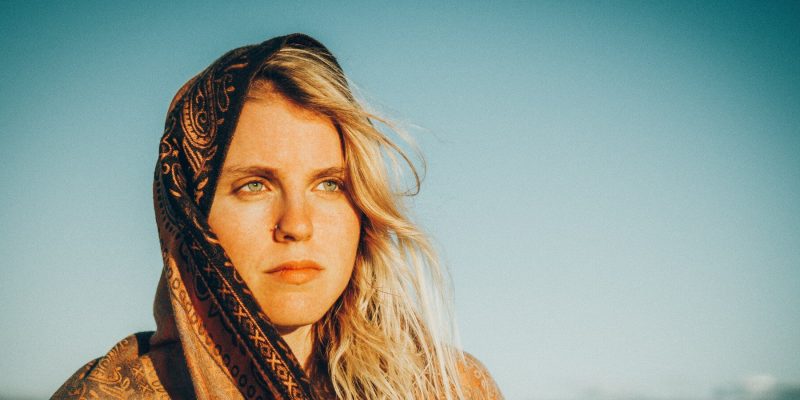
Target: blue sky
615,186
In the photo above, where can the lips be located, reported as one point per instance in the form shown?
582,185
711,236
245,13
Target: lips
295,272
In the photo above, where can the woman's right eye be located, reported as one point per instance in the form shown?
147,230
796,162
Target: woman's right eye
253,187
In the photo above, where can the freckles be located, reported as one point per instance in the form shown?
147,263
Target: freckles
244,232
341,223
254,220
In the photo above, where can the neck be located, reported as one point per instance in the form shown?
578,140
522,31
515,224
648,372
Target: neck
300,341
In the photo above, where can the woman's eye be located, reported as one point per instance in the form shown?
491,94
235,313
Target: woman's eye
253,187
329,186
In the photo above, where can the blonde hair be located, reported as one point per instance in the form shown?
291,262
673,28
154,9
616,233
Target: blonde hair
391,335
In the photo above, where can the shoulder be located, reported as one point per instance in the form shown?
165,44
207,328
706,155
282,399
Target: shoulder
121,373
476,381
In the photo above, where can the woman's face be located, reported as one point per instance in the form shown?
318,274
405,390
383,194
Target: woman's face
281,213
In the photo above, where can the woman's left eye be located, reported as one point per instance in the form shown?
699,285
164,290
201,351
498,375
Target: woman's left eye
329,186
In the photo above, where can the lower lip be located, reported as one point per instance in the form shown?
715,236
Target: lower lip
296,276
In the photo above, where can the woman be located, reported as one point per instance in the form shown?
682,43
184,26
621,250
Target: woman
290,270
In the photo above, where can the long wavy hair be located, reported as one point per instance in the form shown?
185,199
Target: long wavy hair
391,334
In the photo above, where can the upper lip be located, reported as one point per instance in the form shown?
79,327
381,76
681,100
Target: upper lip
295,265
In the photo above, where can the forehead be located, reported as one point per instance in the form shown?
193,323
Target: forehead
274,132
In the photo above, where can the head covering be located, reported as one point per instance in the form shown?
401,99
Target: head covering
212,339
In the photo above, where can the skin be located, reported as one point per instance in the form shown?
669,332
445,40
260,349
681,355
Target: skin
285,168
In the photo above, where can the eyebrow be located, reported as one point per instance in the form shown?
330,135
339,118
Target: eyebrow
268,172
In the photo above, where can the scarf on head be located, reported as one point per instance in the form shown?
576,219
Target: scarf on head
212,339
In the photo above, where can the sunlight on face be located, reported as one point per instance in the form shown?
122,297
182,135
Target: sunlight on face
285,168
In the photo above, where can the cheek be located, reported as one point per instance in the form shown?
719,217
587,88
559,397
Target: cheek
340,231
343,223
241,230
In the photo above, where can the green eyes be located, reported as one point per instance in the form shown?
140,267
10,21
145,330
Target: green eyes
254,186
329,185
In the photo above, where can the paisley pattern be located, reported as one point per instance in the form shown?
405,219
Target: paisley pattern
107,378
477,382
205,305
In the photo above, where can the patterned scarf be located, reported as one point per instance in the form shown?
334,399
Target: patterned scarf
222,311
212,339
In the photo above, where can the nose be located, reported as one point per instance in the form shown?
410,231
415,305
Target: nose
294,221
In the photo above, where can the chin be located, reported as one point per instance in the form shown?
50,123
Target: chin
289,311
284,322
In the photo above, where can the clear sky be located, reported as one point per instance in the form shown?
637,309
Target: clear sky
614,185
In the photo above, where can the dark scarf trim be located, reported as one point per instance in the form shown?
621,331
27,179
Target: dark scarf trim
198,131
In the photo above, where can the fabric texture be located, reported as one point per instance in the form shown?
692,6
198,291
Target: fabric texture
212,341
